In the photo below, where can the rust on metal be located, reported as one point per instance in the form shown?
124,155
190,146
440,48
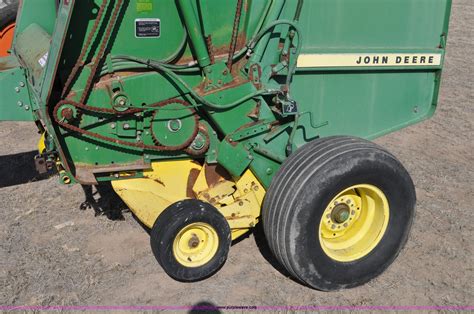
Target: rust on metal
237,81
139,145
80,61
235,33
193,175
255,112
67,113
210,48
103,45
236,216
203,130
7,64
85,173
216,174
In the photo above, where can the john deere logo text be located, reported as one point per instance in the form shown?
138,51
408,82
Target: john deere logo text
402,60
369,60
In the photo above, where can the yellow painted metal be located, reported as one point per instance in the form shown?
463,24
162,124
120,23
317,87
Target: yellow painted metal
166,183
354,223
239,201
41,143
195,245
172,181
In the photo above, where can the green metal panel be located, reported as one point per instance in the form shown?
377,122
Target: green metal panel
15,104
41,12
33,56
366,104
369,102
246,110
373,24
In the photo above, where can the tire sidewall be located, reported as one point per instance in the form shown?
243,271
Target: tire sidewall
8,14
164,238
375,168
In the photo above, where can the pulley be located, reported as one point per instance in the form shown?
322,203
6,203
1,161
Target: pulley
174,124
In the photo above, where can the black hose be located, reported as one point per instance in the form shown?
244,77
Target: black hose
299,8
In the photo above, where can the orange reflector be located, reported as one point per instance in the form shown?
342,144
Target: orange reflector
6,38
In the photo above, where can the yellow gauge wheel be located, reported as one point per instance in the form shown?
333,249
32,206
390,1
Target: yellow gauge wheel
195,245
354,223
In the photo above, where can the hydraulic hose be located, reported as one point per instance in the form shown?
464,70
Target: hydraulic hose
129,62
198,98
269,27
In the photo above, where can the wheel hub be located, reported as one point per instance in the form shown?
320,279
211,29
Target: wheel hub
354,222
195,245
194,241
340,213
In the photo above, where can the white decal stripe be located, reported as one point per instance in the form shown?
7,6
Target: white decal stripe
369,60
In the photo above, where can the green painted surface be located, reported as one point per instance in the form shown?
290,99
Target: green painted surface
239,109
15,104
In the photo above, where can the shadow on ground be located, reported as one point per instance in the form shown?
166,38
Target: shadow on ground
19,169
204,307
264,249
104,201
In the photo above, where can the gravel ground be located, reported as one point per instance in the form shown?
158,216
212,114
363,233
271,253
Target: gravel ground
51,253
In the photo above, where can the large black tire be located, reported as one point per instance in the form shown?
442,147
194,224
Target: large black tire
8,11
169,225
304,188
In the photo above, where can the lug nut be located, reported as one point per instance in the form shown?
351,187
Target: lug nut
67,113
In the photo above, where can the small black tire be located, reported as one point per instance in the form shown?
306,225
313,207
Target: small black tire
8,12
295,212
203,222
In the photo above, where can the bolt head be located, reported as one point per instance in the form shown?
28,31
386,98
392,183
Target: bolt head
67,113
175,125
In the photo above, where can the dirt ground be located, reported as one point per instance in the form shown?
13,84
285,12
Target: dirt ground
51,253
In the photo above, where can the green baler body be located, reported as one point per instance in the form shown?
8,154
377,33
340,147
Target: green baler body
366,68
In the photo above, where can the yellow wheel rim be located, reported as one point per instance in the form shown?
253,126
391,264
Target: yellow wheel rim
354,222
195,245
